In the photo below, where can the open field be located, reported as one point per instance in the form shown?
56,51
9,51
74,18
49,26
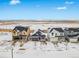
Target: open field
38,24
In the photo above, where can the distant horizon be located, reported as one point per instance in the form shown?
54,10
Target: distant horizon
39,20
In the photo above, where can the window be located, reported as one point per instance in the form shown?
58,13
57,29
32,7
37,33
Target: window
55,34
61,33
52,33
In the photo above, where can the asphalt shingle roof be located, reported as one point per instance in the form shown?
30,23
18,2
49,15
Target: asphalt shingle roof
20,28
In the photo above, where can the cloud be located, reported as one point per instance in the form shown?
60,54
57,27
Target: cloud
15,2
62,8
65,7
69,2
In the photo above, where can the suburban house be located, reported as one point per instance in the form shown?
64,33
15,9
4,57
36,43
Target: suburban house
55,33
73,34
20,32
72,31
37,36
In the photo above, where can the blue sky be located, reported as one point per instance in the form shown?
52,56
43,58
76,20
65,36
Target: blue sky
39,9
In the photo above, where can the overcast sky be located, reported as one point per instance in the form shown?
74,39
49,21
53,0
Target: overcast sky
39,9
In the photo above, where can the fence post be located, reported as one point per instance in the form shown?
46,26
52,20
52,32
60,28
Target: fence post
12,52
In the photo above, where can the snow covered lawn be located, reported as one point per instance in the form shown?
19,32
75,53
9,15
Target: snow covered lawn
31,50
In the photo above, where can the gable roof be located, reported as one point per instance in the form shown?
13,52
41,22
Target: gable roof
72,29
57,29
38,33
74,35
20,28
